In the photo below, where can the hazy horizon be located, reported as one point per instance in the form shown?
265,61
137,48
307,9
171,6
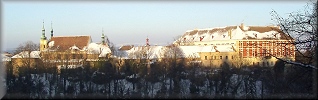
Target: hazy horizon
131,22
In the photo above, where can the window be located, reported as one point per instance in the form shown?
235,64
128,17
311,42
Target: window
232,57
214,57
220,57
225,57
272,63
211,57
205,57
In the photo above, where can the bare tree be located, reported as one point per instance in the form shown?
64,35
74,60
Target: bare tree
24,52
240,62
27,46
302,26
174,59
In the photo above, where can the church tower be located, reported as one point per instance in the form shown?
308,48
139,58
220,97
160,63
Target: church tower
43,41
51,30
103,37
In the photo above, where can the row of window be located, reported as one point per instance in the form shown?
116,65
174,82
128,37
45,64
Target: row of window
215,57
73,56
220,44
264,43
260,52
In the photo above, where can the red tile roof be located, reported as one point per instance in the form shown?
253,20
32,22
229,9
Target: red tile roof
126,47
62,43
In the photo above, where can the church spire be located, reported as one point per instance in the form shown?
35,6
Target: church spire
103,37
51,30
43,32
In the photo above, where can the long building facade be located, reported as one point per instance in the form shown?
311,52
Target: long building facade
240,45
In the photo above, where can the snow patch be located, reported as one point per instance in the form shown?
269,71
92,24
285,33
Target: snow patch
51,44
74,47
5,57
26,54
94,48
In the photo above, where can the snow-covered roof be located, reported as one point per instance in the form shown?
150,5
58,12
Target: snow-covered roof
74,47
233,33
5,57
51,43
218,48
105,51
190,51
154,52
94,48
25,54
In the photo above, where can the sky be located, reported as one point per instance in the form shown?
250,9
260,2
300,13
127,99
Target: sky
131,22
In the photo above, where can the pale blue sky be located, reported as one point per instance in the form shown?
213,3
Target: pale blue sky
131,22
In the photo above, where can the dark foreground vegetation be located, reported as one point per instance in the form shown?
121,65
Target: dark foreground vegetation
161,81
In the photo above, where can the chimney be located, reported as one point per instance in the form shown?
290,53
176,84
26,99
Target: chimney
230,34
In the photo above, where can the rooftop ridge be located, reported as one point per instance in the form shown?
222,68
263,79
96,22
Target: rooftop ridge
72,36
200,29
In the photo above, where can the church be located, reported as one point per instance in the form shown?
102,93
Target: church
64,52
72,51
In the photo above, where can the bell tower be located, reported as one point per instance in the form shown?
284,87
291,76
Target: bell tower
43,41
103,37
51,30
